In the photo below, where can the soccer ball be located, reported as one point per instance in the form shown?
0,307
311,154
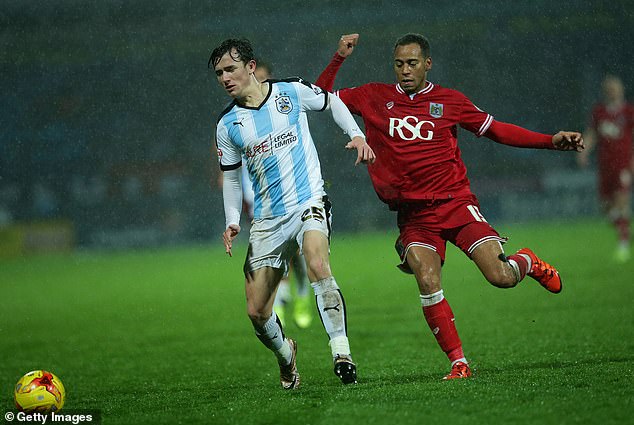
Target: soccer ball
39,391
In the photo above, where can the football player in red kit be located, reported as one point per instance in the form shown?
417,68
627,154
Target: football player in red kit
610,130
412,128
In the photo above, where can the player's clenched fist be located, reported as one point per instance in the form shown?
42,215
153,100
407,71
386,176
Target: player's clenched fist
347,43
568,141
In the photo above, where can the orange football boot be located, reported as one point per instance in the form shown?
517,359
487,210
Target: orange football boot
544,273
459,370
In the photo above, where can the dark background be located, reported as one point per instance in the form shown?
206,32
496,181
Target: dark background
108,109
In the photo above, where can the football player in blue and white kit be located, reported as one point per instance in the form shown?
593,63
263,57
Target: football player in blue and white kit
266,124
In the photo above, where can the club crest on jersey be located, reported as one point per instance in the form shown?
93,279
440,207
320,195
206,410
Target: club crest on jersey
435,110
283,104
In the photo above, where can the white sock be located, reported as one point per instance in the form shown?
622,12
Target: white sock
272,336
332,310
530,262
431,299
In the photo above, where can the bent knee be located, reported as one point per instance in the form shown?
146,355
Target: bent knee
319,267
258,316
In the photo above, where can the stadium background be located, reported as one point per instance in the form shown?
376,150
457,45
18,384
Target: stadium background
108,109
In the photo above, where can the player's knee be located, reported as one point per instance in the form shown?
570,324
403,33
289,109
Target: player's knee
428,280
258,316
318,267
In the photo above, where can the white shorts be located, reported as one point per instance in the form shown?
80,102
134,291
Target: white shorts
274,241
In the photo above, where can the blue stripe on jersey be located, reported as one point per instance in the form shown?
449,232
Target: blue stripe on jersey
274,181
263,121
233,130
293,116
300,170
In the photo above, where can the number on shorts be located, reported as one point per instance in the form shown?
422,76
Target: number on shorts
475,212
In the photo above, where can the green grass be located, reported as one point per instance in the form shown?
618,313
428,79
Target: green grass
162,337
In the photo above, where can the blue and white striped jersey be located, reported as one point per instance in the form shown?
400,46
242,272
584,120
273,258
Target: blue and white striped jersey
276,144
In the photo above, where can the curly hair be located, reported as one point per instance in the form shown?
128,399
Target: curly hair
239,49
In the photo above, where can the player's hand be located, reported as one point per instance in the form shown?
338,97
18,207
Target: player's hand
365,154
228,236
568,141
346,44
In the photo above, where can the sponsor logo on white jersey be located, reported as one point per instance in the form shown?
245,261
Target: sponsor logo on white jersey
272,144
410,128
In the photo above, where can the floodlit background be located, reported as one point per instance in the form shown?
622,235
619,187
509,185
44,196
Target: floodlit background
108,109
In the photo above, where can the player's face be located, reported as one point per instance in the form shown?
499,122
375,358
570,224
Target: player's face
234,75
411,67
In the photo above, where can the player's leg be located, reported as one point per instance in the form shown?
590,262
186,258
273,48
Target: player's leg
482,244
330,303
260,288
266,263
426,265
507,272
622,206
499,270
302,309
615,192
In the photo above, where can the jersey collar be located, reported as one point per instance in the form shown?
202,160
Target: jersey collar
266,98
428,87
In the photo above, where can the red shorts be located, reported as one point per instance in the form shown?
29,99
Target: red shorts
431,224
614,180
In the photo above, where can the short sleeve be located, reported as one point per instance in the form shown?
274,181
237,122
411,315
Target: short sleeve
229,156
473,118
312,97
353,98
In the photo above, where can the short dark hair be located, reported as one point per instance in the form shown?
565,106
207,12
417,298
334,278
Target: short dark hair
243,51
412,38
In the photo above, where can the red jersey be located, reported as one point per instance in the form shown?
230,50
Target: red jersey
415,139
614,136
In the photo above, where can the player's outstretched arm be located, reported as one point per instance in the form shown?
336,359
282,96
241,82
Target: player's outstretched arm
342,116
568,141
346,45
513,135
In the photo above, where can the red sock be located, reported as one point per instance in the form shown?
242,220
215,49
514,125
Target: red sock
522,264
441,322
623,228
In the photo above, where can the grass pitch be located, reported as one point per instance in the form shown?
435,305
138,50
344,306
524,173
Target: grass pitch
162,337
